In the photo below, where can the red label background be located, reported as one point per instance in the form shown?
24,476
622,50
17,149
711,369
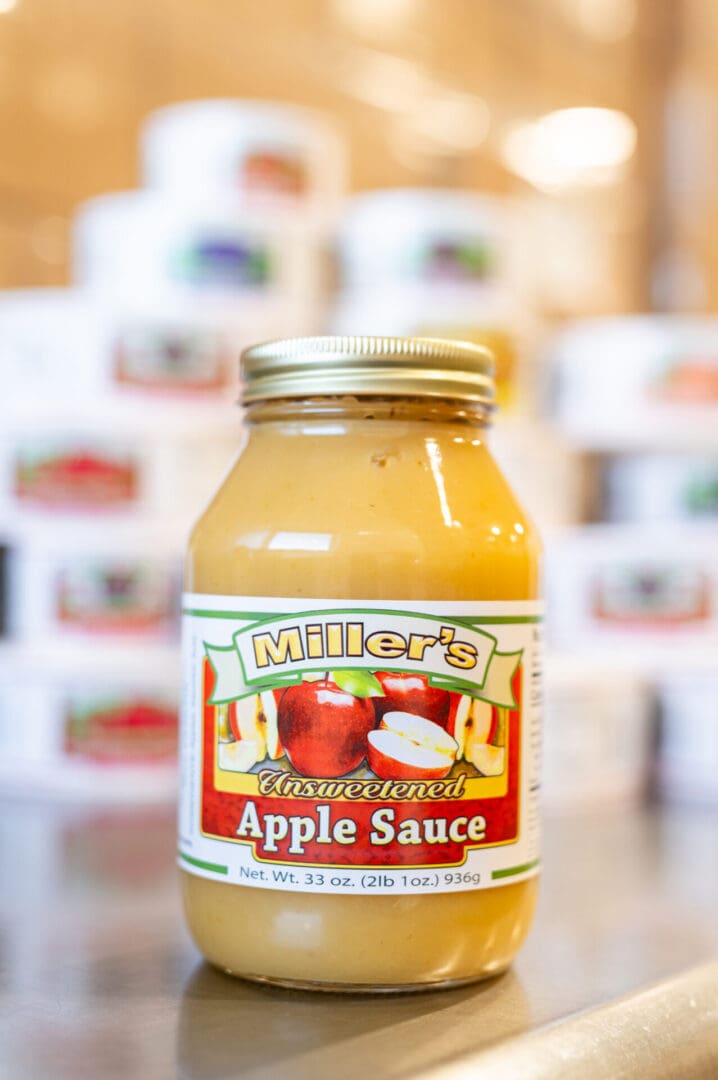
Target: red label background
222,811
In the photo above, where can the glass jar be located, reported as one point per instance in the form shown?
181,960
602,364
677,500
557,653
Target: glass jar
361,728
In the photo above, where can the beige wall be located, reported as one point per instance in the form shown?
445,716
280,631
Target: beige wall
77,76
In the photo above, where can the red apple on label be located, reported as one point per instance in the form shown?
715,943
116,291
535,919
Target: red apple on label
324,729
410,747
412,693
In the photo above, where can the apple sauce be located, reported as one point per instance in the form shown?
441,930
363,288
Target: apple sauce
389,496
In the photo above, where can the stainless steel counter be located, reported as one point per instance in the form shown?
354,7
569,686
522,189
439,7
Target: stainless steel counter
98,978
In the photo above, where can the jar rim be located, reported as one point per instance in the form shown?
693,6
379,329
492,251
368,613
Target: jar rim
368,364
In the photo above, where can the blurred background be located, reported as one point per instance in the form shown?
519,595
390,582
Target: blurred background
180,179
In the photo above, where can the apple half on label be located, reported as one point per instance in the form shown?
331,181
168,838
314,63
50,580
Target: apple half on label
247,725
253,724
410,747
238,756
488,759
480,733
472,721
412,693
267,719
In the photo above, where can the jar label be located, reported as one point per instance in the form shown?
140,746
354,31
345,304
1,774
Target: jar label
360,746
112,729
113,596
155,357
71,474
222,259
272,172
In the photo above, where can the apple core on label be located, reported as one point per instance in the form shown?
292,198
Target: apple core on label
360,731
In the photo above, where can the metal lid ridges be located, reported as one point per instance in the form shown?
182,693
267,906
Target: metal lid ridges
367,364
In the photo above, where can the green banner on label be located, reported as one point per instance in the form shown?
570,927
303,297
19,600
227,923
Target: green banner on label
278,651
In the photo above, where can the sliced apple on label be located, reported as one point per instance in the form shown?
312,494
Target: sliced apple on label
222,723
483,721
419,730
473,722
459,717
268,717
248,725
489,760
409,747
498,734
239,756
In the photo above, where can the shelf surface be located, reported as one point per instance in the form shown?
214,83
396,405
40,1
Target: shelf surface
98,976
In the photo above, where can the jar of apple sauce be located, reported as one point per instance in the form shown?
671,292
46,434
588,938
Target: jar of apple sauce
361,706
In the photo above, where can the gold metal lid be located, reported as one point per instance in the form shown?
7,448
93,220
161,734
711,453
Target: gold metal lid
385,366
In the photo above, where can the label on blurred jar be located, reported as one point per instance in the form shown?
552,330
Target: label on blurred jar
70,474
268,172
360,746
152,357
124,729
114,596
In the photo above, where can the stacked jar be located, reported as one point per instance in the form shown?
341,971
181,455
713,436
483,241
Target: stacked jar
118,416
446,264
639,587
